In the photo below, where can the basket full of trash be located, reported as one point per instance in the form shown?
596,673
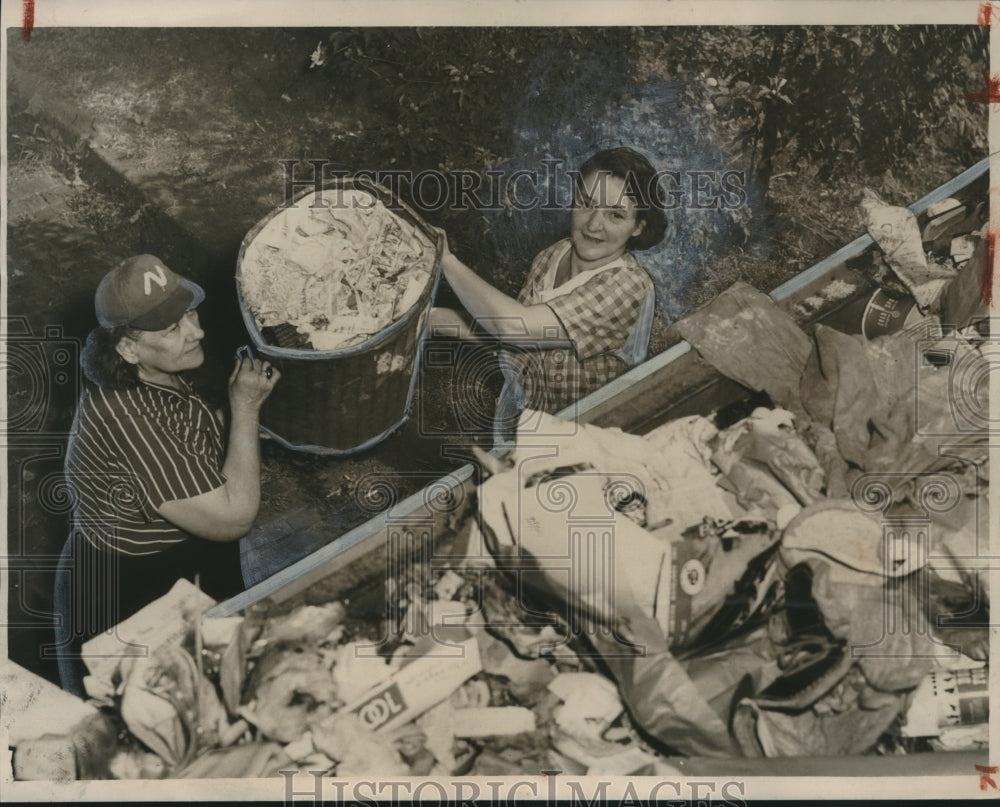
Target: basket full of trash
335,288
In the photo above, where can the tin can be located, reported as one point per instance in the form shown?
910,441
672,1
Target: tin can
949,698
887,313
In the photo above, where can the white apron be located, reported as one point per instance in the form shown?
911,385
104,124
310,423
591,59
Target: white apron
513,397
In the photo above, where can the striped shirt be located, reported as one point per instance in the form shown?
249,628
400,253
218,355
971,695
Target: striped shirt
132,450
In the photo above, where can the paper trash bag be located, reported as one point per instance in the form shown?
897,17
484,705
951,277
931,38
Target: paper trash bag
592,555
658,693
616,618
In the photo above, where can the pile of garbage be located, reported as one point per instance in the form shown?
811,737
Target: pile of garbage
795,574
742,603
308,689
337,267
925,262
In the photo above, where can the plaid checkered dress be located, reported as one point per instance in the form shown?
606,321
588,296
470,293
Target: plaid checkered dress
597,316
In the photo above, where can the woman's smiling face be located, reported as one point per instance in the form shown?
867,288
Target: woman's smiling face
604,219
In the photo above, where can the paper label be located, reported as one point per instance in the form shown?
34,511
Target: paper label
416,687
687,578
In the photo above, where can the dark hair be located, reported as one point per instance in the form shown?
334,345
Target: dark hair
641,186
101,363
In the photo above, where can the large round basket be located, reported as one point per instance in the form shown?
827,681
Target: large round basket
347,400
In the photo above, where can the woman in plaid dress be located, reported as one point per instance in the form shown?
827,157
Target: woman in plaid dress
585,312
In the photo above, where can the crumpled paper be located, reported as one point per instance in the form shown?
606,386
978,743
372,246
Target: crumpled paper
882,624
890,409
768,464
289,683
338,272
168,705
896,232
358,750
768,733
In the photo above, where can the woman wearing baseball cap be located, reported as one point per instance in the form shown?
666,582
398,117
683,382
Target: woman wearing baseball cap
160,491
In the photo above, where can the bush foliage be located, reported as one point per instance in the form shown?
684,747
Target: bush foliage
810,114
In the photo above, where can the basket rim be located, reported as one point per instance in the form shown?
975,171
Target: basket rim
384,195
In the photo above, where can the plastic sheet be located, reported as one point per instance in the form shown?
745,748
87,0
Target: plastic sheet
890,407
747,338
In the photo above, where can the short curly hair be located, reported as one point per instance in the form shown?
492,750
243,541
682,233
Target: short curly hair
641,185
101,363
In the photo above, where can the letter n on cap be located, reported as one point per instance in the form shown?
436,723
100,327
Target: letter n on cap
158,277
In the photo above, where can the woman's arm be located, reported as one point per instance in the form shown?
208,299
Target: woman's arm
500,316
451,324
228,512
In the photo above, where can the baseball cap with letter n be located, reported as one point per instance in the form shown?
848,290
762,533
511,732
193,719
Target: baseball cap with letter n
143,293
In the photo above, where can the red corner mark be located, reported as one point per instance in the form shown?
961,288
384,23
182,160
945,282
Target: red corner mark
985,778
985,15
991,95
27,19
